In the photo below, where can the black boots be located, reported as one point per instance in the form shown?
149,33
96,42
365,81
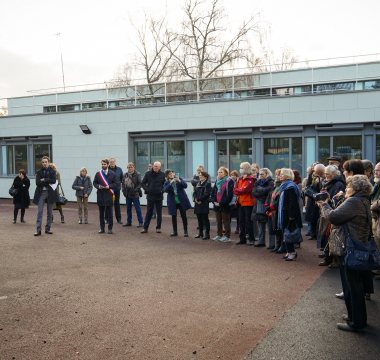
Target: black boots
207,236
200,235
282,249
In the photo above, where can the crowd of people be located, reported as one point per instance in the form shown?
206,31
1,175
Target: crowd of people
334,197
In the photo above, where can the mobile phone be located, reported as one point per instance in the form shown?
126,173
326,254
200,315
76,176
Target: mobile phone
177,175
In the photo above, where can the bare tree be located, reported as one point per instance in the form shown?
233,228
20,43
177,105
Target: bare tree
3,111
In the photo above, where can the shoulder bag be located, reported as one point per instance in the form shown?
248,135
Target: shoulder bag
62,199
13,191
292,237
361,256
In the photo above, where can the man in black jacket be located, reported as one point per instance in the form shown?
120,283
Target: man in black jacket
153,184
119,174
105,182
45,193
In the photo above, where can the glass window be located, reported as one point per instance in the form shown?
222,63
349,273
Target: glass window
324,149
10,160
4,158
157,152
176,157
41,150
334,87
222,153
310,151
240,151
48,109
93,105
68,107
283,91
297,154
276,153
21,158
198,151
348,147
211,157
370,85
141,157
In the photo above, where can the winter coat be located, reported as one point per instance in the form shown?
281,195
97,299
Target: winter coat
354,213
312,209
153,184
182,196
227,196
21,199
119,175
291,209
77,184
243,190
195,182
50,179
202,193
135,190
273,209
375,207
103,196
260,193
335,185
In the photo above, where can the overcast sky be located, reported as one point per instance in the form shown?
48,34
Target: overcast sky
94,35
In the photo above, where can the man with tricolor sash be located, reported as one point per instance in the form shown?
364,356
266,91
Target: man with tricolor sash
105,182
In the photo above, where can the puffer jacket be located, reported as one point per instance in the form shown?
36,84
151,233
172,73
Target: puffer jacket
354,213
243,190
77,184
260,193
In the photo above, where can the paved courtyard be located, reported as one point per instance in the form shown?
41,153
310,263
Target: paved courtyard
78,294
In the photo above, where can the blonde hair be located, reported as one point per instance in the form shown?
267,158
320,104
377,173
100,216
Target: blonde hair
83,169
267,172
246,166
288,173
225,170
131,164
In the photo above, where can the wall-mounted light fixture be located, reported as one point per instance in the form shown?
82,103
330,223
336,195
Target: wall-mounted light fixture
85,129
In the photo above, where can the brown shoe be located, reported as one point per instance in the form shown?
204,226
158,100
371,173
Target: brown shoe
324,263
334,265
158,231
144,231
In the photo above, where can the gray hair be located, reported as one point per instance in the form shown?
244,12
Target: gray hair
360,183
83,169
309,171
333,170
246,166
319,167
267,171
368,165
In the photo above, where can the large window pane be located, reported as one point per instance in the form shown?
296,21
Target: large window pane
10,160
222,153
176,157
141,157
324,149
240,151
40,151
297,154
348,147
21,157
198,150
4,158
157,152
276,153
310,152
211,157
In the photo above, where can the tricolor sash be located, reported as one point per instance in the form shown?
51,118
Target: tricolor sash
105,182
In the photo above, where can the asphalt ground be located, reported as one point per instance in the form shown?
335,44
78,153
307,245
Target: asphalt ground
78,294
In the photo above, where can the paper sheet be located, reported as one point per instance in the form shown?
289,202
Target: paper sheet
54,186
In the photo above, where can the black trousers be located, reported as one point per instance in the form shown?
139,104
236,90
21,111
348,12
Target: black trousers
15,213
353,289
203,221
246,224
149,213
116,205
183,216
109,216
314,230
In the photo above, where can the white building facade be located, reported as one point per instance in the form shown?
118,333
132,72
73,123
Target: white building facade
277,119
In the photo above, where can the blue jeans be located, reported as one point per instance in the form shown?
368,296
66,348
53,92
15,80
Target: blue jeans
136,203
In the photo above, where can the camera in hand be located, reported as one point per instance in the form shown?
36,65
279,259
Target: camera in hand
321,196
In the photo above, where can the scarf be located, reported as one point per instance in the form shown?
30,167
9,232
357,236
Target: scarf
262,182
276,192
175,188
375,190
83,179
46,172
219,184
288,184
314,176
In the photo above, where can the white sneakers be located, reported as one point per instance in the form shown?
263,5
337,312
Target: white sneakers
216,238
225,239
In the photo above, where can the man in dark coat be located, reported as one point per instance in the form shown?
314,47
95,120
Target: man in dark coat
105,182
119,174
45,193
153,184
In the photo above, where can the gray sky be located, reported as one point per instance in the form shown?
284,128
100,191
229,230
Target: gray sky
94,35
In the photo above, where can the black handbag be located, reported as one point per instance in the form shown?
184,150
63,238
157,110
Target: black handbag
260,209
62,199
13,191
292,237
310,192
361,256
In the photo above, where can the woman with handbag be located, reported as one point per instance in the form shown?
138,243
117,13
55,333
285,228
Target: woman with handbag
201,208
21,199
176,199
83,187
58,206
354,213
289,216
263,186
221,196
245,201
